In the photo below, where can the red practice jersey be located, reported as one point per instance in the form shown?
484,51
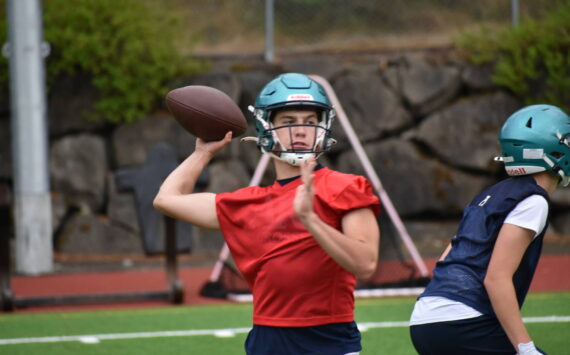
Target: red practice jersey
294,282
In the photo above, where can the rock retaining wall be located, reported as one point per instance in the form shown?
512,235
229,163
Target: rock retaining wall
427,121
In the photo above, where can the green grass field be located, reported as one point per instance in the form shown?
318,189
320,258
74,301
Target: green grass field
222,329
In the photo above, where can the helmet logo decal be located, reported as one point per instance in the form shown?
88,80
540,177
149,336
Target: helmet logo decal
516,171
302,97
533,153
523,170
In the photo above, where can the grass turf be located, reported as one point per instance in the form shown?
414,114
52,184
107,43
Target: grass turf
551,337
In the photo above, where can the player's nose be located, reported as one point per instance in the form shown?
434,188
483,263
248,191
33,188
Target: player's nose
300,131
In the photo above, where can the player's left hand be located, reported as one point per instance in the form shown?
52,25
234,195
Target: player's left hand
303,203
528,349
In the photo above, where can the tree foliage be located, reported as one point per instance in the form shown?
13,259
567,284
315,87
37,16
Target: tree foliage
127,48
532,60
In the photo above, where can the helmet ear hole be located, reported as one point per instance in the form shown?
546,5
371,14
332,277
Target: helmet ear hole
557,155
529,123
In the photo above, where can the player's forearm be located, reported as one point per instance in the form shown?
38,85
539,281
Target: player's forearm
503,299
183,179
354,255
175,197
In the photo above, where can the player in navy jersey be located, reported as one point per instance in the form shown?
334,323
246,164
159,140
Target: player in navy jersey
301,242
472,304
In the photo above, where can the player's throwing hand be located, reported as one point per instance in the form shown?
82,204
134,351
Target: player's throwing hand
213,147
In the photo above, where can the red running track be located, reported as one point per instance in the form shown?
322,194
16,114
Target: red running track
551,276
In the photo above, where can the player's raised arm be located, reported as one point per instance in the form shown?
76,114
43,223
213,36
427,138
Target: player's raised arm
176,198
214,118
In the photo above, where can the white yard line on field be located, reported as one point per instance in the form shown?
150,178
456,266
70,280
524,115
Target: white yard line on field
95,338
223,333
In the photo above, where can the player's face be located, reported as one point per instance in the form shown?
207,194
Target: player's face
291,135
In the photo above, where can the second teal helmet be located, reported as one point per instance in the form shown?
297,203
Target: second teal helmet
537,138
295,91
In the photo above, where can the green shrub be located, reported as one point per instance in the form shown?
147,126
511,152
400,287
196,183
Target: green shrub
532,60
127,47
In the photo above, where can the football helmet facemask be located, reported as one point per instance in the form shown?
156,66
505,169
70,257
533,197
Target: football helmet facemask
292,91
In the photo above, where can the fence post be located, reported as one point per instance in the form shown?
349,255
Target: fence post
515,13
269,28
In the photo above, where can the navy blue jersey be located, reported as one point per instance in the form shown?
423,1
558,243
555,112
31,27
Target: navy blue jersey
460,275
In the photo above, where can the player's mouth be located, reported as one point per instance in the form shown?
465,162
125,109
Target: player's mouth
299,146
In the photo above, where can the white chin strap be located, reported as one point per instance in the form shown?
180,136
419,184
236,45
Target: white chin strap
564,179
291,158
294,159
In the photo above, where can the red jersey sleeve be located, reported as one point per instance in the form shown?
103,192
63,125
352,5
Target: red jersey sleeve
358,194
339,193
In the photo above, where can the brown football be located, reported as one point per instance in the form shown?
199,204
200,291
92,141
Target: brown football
206,112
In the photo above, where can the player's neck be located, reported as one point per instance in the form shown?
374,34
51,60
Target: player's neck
547,181
285,170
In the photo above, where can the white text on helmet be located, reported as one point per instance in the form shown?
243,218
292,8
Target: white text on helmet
297,97
516,171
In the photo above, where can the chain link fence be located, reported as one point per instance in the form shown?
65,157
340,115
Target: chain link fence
238,26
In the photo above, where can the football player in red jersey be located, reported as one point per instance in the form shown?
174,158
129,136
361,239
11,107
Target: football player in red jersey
300,243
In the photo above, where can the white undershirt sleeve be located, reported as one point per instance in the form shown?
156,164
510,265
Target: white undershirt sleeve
530,213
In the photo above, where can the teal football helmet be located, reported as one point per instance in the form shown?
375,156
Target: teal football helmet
292,91
537,138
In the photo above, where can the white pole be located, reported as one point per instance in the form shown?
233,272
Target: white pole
269,31
386,202
515,13
32,202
